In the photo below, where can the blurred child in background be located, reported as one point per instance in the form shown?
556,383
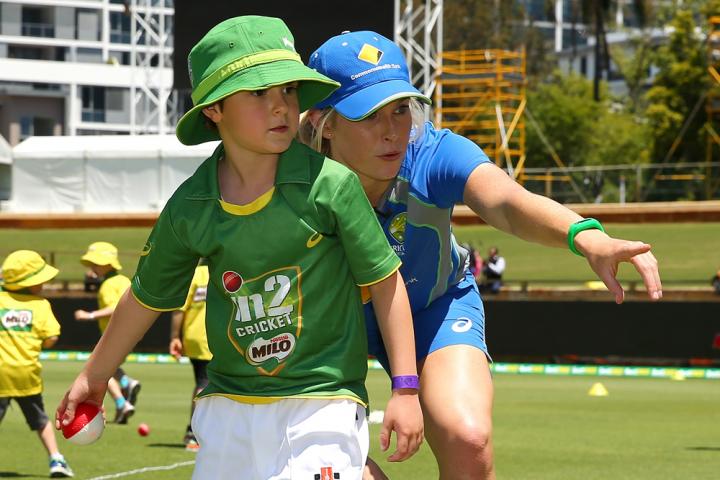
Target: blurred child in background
102,259
28,325
188,337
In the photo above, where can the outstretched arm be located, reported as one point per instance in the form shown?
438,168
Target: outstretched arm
506,205
127,326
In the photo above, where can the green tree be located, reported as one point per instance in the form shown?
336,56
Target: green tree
581,130
634,64
567,114
678,87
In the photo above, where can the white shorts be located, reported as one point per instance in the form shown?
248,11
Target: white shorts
298,439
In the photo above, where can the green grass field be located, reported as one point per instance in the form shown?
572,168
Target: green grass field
545,428
687,252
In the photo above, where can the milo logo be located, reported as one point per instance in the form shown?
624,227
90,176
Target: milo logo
277,347
397,227
18,320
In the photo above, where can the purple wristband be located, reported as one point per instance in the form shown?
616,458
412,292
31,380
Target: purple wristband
406,381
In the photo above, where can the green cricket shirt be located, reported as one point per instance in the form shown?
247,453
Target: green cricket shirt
284,314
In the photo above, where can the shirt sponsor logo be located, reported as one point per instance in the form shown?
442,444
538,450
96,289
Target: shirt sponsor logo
267,319
16,320
277,347
314,239
267,325
146,249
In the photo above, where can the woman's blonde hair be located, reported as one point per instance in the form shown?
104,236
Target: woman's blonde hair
311,135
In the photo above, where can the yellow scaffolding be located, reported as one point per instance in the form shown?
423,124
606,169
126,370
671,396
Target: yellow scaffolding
480,94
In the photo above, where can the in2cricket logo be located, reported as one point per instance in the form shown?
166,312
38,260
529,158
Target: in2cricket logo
266,319
277,347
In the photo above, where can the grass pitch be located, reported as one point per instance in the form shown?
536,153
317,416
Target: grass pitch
687,252
545,428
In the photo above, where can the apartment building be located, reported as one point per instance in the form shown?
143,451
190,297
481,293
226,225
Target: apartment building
82,67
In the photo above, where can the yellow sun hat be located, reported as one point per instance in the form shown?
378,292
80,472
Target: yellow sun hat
25,268
101,253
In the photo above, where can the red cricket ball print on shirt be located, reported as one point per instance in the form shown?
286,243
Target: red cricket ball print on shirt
232,281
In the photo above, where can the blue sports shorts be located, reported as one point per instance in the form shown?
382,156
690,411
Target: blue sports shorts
455,318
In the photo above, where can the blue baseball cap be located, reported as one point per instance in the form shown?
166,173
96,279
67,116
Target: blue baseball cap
371,70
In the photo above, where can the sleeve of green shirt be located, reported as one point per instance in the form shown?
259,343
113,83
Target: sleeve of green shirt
165,268
370,256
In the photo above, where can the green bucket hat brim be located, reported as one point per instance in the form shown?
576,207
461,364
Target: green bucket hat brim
313,88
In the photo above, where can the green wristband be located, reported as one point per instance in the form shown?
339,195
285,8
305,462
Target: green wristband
581,226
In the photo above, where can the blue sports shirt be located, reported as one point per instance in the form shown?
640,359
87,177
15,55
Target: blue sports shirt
416,210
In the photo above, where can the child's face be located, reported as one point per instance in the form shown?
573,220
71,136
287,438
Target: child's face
100,270
260,121
375,146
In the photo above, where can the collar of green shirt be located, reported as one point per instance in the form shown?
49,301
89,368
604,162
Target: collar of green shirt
293,167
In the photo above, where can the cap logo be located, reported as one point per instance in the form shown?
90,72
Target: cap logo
370,54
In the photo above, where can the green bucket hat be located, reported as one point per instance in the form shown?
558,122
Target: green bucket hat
245,53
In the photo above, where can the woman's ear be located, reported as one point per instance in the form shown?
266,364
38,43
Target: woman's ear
315,116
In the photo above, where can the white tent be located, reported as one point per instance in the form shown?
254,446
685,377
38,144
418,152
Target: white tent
113,173
5,162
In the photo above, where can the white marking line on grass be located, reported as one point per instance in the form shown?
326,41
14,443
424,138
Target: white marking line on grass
144,470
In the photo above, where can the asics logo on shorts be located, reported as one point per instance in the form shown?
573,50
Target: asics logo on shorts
463,324
314,239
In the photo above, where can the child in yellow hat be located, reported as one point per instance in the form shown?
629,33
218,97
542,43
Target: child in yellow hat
102,259
28,325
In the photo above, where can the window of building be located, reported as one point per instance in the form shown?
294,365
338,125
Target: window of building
37,22
119,27
115,99
93,104
36,127
24,52
89,55
87,24
120,58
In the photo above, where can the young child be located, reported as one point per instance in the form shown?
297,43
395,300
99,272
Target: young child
290,238
102,259
188,337
27,325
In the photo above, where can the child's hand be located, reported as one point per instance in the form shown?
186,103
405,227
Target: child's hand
83,315
403,415
176,348
82,390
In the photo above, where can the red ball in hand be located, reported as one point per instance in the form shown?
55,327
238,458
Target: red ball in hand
87,426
